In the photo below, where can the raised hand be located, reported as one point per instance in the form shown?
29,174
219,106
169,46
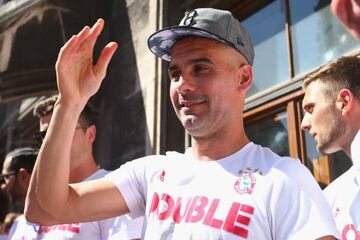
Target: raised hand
348,13
78,78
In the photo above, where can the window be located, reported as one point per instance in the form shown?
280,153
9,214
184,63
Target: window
271,131
291,38
317,36
266,28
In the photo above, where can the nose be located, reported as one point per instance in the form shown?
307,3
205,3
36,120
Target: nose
305,123
185,84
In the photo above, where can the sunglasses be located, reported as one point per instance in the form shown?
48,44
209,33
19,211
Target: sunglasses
6,176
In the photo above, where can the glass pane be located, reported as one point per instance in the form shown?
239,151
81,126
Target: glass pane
266,28
316,35
270,131
325,168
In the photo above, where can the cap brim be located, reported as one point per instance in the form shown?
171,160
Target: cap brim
162,42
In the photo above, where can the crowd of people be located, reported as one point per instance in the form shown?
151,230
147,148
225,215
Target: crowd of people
224,186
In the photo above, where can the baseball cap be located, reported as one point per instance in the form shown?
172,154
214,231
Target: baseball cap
219,25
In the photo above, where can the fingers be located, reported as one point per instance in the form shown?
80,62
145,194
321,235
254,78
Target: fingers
104,59
82,35
86,37
84,40
93,34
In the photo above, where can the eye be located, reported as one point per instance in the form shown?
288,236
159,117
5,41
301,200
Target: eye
309,108
201,69
174,75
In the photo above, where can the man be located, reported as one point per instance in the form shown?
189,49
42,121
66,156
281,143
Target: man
223,187
348,13
84,168
332,112
16,173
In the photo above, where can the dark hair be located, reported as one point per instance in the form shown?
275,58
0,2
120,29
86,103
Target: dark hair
46,106
341,73
22,158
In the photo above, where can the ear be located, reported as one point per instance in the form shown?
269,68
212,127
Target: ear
91,133
244,76
345,101
23,175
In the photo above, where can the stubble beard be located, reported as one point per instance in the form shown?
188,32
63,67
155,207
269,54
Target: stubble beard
336,130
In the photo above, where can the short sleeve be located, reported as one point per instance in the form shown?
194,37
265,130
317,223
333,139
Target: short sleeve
132,179
299,209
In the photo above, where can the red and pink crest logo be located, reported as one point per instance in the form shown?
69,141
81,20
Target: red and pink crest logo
245,183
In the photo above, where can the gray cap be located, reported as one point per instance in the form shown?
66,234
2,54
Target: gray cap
210,23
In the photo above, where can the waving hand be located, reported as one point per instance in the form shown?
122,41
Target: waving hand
78,78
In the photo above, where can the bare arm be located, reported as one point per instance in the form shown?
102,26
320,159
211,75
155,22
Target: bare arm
49,191
80,206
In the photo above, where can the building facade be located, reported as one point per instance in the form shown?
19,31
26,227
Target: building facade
134,114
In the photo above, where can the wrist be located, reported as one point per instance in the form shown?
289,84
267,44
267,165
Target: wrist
73,107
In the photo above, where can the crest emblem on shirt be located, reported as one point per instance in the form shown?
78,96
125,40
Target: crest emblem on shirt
246,182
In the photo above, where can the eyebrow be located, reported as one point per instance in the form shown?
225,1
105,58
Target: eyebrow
192,61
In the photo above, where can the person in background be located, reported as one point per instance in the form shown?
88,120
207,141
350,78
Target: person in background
348,13
16,174
332,116
84,168
222,187
11,222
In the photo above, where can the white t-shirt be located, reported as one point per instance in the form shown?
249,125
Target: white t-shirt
122,227
343,195
252,194
22,230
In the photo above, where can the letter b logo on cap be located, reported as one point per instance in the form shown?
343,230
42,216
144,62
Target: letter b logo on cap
190,18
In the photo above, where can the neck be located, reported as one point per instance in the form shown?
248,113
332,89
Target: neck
215,148
82,171
353,124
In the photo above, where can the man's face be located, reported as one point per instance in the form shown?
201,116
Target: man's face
204,78
322,119
11,183
203,86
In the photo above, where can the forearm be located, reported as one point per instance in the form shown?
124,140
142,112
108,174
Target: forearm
35,214
50,178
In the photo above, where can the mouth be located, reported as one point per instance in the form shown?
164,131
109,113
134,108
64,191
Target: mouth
189,103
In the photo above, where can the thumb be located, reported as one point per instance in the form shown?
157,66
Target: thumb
104,59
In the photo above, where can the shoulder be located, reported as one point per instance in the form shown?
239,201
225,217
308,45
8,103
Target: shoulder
141,168
284,172
273,163
339,183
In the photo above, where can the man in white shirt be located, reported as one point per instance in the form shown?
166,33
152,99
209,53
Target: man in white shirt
15,179
223,187
332,116
83,168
